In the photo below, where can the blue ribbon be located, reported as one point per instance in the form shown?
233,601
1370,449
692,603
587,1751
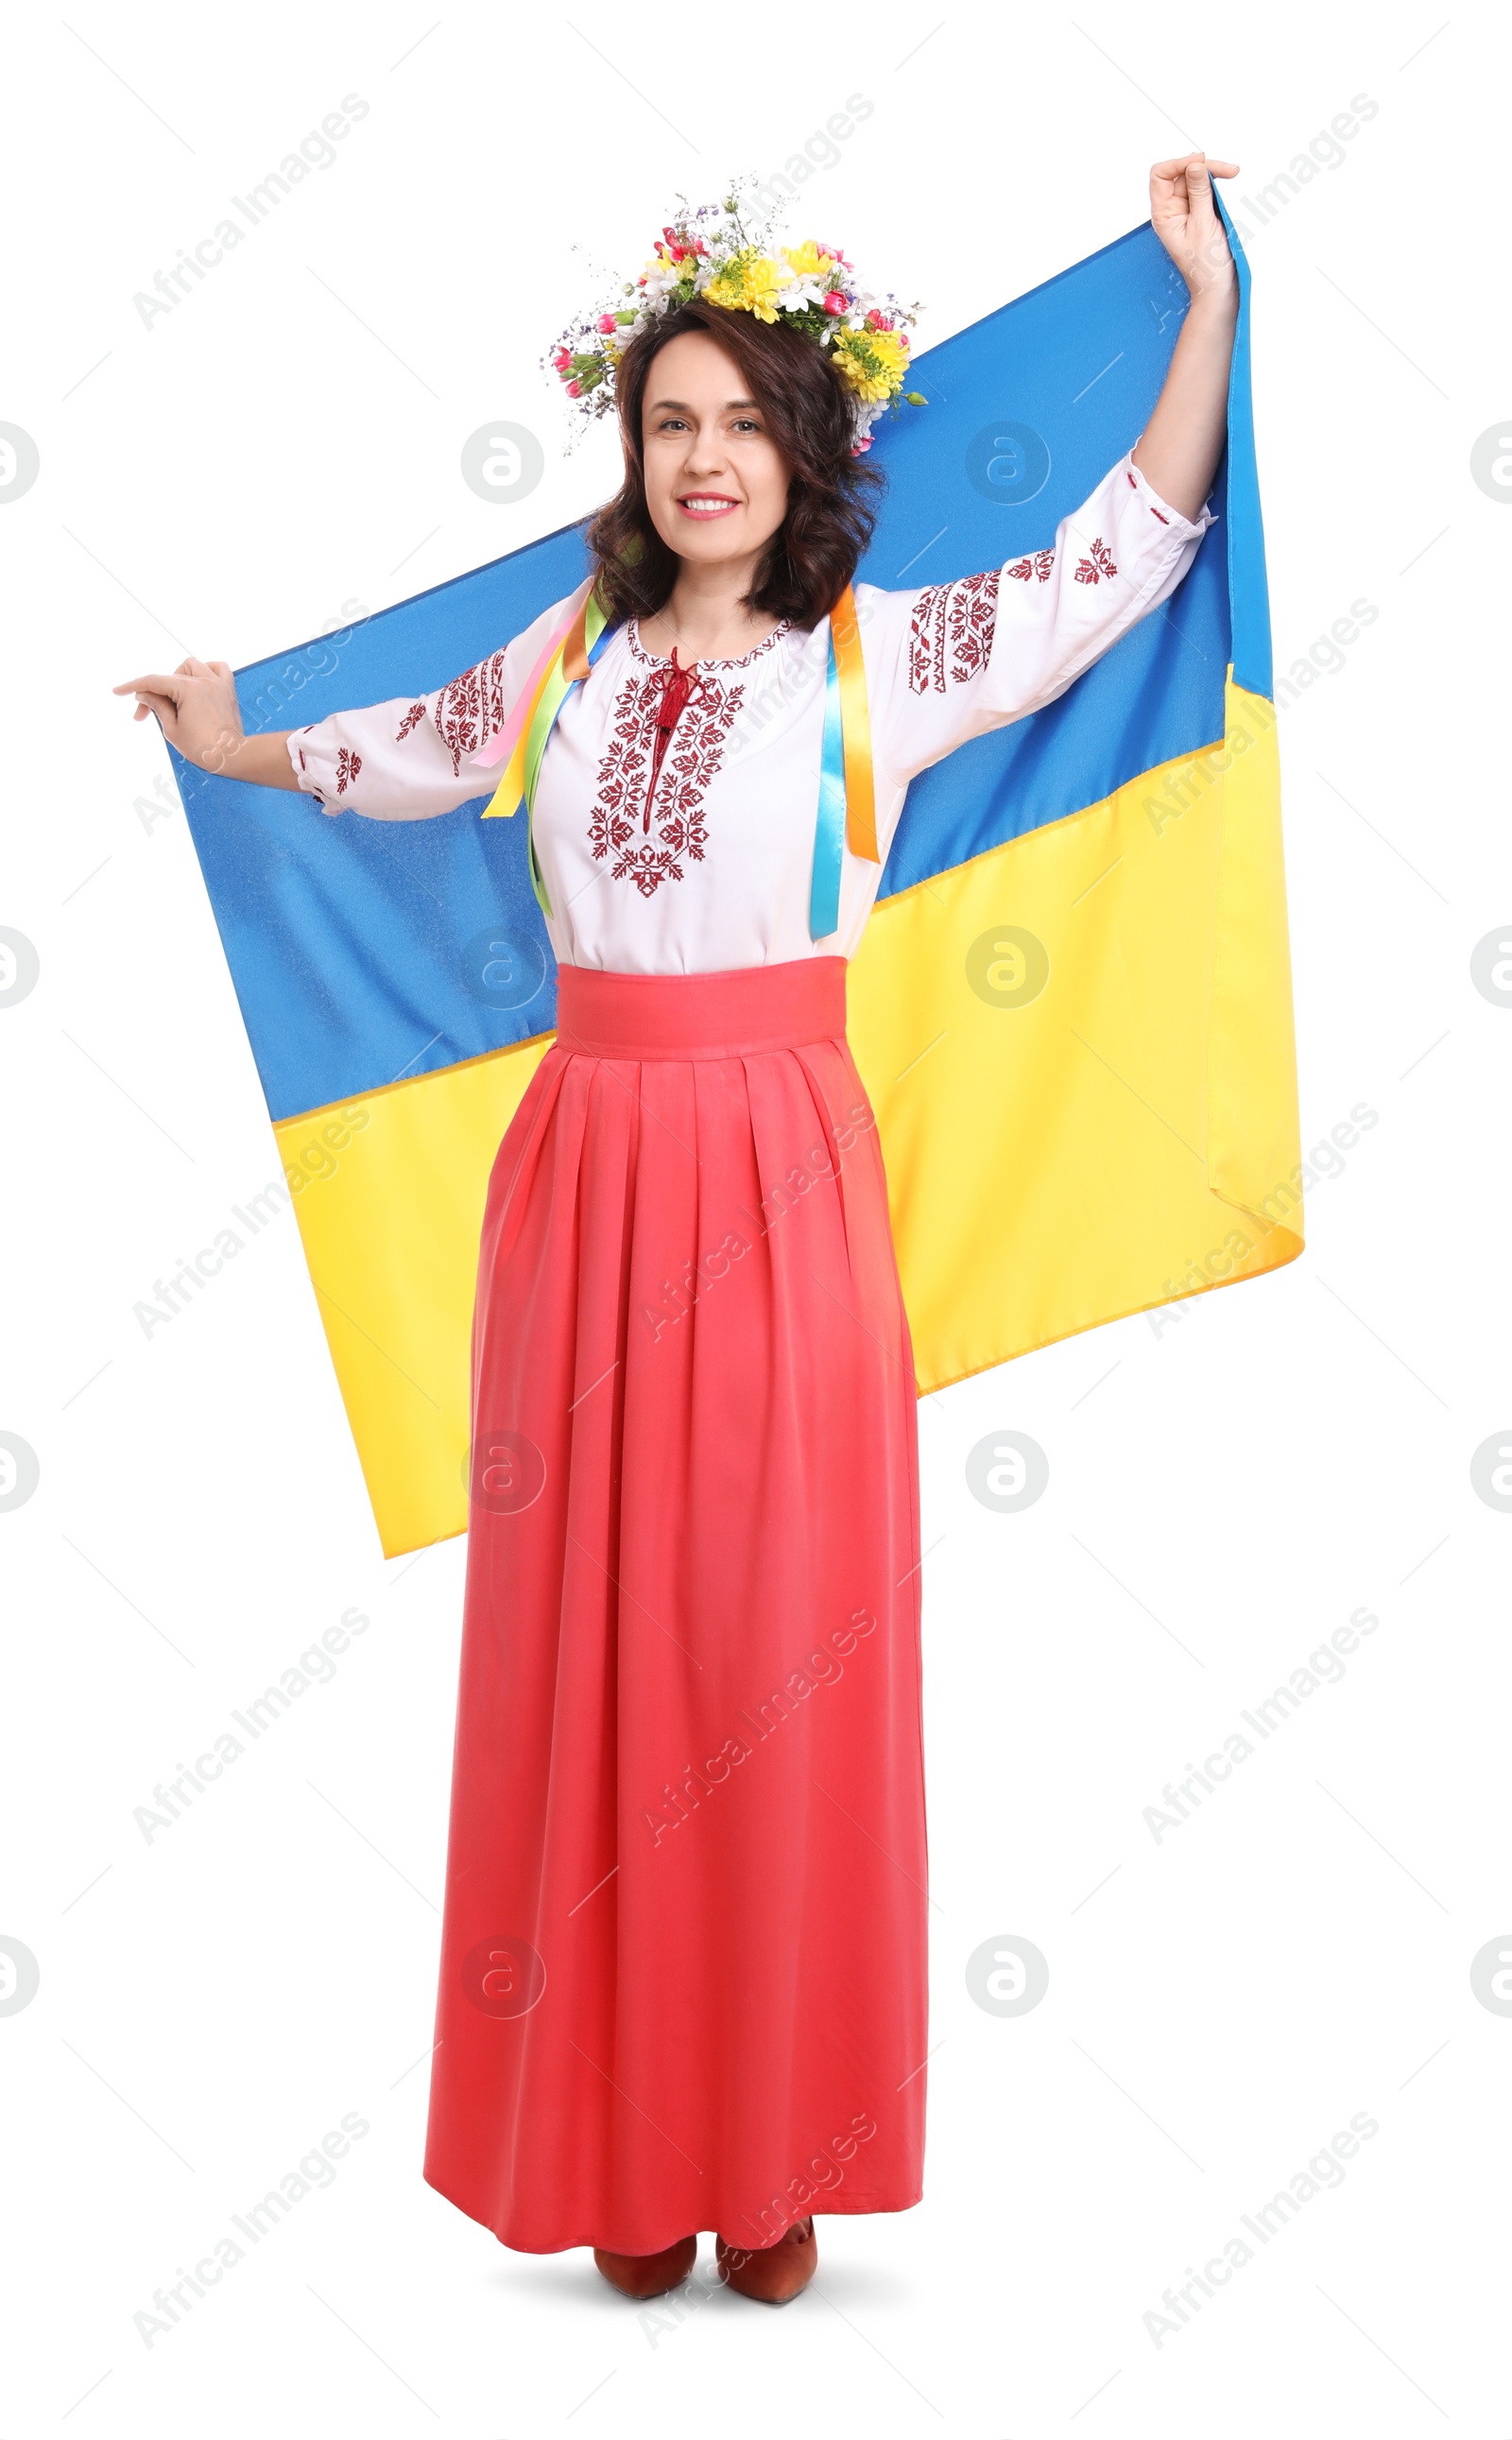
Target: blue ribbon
829,828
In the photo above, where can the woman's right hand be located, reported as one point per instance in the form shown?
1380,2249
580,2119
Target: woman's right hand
197,711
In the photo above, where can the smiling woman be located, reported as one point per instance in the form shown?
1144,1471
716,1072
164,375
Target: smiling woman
692,1475
752,473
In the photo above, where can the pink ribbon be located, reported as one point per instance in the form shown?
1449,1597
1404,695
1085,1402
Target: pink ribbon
502,743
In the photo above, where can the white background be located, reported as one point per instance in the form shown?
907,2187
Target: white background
1226,1487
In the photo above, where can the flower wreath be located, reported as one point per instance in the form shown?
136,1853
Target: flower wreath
716,253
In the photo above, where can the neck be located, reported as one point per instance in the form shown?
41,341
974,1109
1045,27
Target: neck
706,615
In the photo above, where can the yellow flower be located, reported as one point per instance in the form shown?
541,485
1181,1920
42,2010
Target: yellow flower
808,258
748,284
727,286
763,279
873,362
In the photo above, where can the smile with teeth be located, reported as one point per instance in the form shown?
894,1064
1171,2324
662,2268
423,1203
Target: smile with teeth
708,504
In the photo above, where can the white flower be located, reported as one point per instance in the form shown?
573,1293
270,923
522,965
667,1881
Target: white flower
803,288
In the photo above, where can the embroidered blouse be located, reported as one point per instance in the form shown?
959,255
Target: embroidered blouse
692,852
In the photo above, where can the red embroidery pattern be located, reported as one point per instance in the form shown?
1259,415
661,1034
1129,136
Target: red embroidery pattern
470,710
1149,503
951,631
1039,563
496,707
757,653
348,766
649,842
458,717
1092,570
411,720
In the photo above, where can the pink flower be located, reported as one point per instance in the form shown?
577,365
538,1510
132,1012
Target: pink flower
861,445
606,322
574,389
877,322
561,359
834,302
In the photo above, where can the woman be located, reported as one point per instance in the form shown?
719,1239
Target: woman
683,1959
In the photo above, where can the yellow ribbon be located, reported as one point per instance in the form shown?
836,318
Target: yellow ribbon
855,720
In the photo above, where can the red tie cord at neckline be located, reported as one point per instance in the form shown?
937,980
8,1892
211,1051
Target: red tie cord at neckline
677,685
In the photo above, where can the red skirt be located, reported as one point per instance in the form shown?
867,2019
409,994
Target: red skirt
683,1980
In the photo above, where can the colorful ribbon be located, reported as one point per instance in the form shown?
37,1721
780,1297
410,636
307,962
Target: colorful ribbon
847,801
829,828
846,814
510,740
860,793
565,663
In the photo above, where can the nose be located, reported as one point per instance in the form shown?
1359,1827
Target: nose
705,456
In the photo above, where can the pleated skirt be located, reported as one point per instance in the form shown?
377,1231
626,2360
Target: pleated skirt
683,1959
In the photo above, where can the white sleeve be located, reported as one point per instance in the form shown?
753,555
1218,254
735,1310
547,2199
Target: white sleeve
955,660
406,761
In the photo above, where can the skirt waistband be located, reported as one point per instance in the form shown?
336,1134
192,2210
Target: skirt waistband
700,1016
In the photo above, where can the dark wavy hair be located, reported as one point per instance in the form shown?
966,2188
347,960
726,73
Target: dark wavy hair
831,496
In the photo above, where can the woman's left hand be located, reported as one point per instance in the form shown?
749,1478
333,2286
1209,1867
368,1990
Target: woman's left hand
1187,223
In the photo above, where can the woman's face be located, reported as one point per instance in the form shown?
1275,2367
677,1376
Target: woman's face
717,482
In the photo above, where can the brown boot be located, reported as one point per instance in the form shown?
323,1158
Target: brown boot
773,2274
648,2274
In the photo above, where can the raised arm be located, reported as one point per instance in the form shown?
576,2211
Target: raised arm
400,762
1178,452
196,709
953,660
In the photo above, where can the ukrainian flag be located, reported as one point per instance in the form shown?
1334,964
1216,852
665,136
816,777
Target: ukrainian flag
1072,1008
